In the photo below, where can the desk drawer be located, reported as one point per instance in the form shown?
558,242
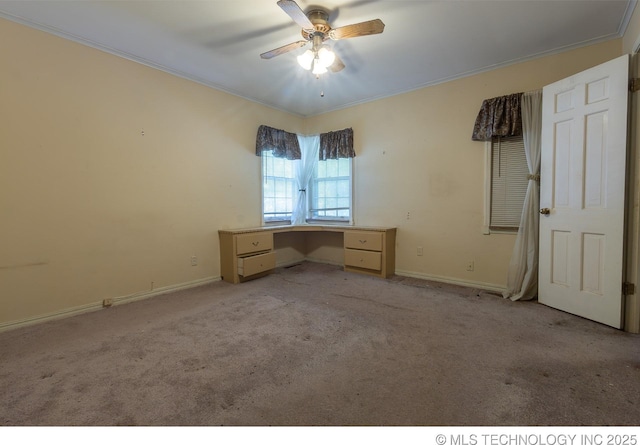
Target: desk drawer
363,259
363,240
254,242
252,265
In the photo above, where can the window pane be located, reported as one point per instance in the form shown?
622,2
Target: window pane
331,189
322,169
343,188
344,167
332,168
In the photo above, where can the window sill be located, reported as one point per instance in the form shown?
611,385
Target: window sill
489,231
284,222
310,222
325,222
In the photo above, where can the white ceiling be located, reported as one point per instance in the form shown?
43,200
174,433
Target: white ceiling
218,42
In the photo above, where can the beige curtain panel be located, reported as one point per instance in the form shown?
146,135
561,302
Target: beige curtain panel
522,278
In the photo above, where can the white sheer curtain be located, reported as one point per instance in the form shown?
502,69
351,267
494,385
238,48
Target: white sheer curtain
310,148
522,280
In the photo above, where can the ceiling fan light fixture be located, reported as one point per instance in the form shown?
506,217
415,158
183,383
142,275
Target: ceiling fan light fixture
326,56
318,67
306,59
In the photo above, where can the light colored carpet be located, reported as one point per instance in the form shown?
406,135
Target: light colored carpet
313,345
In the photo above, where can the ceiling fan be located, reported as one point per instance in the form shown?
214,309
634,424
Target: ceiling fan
316,29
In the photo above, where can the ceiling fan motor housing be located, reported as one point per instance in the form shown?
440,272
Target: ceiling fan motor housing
321,28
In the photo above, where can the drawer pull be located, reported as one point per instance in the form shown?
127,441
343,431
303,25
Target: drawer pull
362,241
255,243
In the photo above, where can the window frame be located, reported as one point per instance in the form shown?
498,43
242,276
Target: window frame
273,222
330,219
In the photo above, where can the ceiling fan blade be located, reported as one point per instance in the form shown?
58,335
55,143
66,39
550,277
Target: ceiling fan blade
296,13
283,49
359,29
337,65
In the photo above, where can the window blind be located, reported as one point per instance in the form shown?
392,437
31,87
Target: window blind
508,182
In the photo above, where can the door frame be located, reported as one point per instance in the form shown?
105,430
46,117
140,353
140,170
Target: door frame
632,244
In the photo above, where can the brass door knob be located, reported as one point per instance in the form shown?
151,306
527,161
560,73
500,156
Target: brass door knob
545,211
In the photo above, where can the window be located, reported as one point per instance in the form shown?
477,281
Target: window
328,194
507,185
278,187
330,190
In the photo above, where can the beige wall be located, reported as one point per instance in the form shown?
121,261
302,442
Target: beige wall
415,157
90,207
93,209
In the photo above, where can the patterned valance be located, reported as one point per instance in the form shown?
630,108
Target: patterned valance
333,145
499,116
282,143
337,144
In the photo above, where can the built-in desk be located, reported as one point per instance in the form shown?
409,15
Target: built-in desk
249,253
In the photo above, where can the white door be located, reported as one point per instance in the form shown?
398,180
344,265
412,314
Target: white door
582,187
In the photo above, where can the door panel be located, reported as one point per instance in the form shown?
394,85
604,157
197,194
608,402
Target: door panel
582,181
562,162
593,263
560,258
595,160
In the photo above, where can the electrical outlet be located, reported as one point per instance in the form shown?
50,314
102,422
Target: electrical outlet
420,251
194,260
408,215
107,302
470,266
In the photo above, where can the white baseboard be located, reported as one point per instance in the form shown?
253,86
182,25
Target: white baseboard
458,282
77,310
321,261
289,263
406,273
